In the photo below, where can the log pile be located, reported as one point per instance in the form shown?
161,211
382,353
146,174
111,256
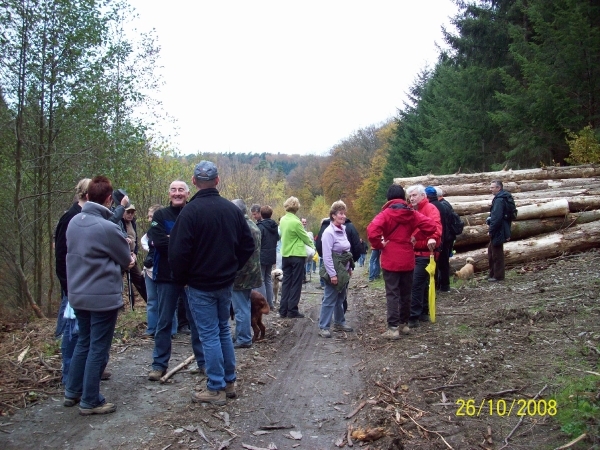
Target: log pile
559,211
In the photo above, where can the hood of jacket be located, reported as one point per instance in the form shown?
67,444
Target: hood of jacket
269,225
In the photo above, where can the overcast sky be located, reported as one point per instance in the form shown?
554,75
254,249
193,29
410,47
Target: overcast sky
287,76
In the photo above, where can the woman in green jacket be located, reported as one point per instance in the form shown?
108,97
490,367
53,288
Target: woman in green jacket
293,252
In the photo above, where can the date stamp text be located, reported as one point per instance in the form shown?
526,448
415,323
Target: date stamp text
505,408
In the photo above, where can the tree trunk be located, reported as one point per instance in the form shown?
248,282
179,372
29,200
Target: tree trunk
573,191
546,173
576,204
575,239
473,235
516,186
556,208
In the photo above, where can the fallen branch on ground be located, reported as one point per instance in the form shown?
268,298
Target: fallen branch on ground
176,369
520,421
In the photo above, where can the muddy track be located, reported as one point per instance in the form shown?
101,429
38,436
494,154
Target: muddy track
293,378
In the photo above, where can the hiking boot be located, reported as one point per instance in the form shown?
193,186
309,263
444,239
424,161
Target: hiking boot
391,333
324,333
424,318
106,375
214,397
156,375
342,327
107,408
198,371
230,390
297,315
413,323
237,345
70,402
404,328
185,329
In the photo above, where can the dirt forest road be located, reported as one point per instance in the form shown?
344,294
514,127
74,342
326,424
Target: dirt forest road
525,341
294,378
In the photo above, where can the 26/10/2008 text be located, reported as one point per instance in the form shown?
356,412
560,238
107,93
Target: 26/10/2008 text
504,408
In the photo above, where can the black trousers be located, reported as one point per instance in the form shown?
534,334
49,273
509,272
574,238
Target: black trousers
293,268
496,261
137,279
398,295
442,267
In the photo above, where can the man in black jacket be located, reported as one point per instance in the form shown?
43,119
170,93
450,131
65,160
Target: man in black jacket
269,233
499,231
442,267
210,242
167,288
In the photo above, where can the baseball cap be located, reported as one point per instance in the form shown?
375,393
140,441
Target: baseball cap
205,171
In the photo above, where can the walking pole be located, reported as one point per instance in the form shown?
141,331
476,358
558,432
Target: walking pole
130,290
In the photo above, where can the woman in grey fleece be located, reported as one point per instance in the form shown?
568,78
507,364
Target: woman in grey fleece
96,253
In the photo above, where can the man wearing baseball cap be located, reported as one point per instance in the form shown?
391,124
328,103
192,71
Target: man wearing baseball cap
210,242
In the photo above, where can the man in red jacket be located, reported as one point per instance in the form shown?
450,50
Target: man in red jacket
423,246
390,231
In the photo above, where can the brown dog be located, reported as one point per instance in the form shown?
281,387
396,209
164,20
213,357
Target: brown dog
258,307
276,277
467,271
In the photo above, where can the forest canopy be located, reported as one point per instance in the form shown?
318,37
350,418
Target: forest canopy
516,85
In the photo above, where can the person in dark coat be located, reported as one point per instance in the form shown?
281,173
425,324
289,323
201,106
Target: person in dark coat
168,289
499,231
210,242
67,328
268,251
442,266
128,223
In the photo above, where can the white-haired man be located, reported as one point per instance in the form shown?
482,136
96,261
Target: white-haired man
167,289
423,246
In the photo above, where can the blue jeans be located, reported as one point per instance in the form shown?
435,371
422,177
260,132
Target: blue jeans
168,294
267,287
210,313
332,305
374,267
419,305
152,308
361,260
69,330
96,329
241,307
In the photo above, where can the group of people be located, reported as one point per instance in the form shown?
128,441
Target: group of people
206,254
407,231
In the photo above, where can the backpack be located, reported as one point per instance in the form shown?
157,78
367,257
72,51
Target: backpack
455,224
318,243
510,210
451,222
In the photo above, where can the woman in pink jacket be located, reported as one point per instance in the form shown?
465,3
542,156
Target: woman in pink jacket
390,231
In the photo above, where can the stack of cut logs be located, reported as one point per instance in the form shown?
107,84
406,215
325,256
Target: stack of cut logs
559,211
